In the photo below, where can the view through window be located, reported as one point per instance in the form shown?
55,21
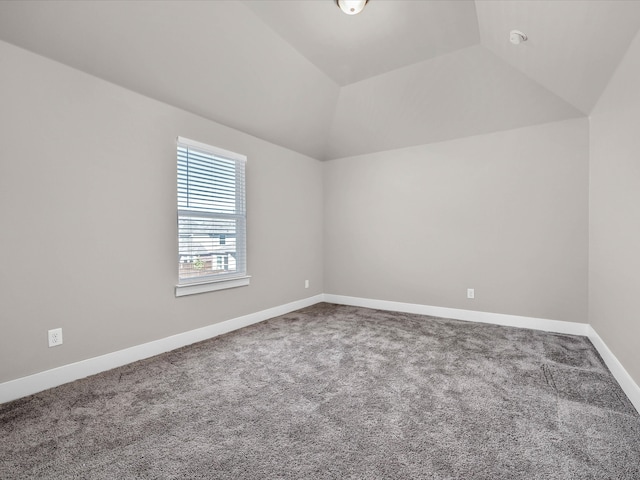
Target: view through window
211,213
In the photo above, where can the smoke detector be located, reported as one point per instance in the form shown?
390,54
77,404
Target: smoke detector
516,37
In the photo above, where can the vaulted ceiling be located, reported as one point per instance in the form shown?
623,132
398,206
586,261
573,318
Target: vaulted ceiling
301,74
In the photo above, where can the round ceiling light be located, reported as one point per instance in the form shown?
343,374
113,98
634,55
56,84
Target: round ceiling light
351,7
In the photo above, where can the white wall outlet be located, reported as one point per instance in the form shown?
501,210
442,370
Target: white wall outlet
55,337
471,293
306,284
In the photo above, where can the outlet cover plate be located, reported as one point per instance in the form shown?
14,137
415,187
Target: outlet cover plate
55,337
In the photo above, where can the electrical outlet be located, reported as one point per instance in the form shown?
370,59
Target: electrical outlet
55,337
306,284
471,293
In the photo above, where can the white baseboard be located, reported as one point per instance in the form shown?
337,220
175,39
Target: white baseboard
627,384
630,388
38,382
556,326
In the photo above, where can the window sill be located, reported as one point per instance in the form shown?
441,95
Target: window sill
211,286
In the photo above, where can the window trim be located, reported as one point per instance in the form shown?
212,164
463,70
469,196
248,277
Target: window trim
211,285
223,281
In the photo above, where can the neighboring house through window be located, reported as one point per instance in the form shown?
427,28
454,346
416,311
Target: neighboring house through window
211,218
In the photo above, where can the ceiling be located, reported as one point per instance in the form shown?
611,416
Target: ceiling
389,35
303,75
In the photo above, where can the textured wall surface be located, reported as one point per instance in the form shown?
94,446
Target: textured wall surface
614,234
88,206
504,213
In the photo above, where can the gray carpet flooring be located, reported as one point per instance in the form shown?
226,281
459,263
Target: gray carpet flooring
337,392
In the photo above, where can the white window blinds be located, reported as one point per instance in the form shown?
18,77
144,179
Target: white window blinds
211,213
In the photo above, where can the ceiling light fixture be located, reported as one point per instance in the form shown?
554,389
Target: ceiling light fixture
516,37
351,7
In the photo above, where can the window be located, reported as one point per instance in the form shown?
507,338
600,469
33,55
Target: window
211,207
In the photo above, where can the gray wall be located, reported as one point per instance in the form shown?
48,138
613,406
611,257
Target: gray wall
89,236
614,233
504,213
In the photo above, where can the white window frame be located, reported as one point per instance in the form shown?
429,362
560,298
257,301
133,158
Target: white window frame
218,281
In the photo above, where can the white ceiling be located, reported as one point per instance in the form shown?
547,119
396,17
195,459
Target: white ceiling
573,47
467,92
384,36
303,75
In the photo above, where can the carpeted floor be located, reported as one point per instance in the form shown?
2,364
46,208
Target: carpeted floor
337,392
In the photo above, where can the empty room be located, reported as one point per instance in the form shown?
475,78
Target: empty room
332,239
